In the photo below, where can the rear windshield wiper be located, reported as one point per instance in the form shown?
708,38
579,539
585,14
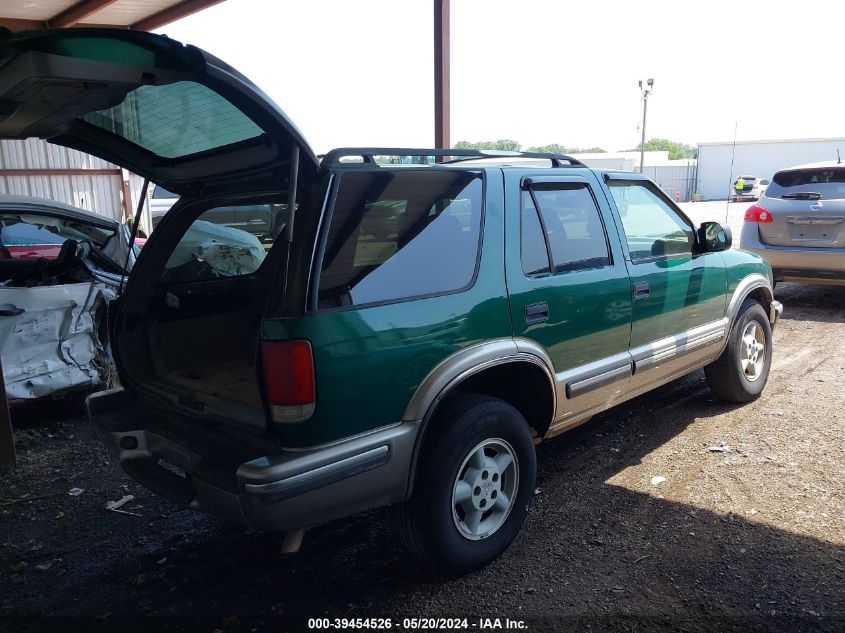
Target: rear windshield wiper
802,195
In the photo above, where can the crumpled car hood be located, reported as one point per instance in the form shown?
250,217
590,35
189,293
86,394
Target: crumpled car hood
227,250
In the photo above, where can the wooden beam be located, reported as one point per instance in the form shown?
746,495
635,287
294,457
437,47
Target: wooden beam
442,79
91,25
15,24
128,211
171,14
77,12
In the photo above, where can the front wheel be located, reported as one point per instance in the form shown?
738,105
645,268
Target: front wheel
473,487
741,372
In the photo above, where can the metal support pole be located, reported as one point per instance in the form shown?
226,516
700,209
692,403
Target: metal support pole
642,143
646,91
441,74
7,440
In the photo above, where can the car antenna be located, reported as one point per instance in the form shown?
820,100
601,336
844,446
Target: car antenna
733,154
136,222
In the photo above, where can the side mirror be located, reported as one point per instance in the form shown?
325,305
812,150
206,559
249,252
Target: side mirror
713,237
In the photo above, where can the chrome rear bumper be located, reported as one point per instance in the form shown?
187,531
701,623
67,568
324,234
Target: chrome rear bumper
270,489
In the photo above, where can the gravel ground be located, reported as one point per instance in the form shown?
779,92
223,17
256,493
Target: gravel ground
751,538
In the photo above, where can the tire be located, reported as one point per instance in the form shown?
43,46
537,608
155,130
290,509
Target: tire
462,537
733,376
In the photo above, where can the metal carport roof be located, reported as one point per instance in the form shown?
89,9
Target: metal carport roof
140,15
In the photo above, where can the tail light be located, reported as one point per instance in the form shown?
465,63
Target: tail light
756,213
288,368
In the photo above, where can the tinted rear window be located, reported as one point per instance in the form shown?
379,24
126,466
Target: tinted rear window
175,120
396,235
830,183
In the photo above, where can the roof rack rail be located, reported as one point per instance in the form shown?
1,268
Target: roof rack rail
368,154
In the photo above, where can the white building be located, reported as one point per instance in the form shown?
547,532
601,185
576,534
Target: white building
756,158
623,161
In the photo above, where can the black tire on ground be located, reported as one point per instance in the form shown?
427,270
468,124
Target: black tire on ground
427,521
726,376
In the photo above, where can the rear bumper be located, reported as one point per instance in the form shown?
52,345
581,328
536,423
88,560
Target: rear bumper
796,264
270,490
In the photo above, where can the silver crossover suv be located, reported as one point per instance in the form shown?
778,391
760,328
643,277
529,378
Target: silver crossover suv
798,224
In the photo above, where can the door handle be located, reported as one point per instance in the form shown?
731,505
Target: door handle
641,290
10,309
536,312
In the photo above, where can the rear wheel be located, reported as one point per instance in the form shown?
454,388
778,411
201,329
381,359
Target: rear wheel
473,487
741,372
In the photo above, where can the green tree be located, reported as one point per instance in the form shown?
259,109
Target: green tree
676,151
557,148
501,144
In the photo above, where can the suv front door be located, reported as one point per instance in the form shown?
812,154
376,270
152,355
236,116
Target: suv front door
569,288
679,295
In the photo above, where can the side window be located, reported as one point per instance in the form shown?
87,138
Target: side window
652,228
535,256
228,241
396,235
573,224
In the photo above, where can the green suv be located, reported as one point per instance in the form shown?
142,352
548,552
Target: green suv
413,331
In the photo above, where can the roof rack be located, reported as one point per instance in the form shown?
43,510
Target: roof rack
368,154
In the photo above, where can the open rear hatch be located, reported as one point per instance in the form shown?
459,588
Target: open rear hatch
193,125
166,111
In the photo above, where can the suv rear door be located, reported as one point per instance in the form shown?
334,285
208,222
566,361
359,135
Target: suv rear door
807,208
568,285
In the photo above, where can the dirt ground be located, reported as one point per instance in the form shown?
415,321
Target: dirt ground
750,538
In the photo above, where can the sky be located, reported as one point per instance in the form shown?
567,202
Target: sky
360,72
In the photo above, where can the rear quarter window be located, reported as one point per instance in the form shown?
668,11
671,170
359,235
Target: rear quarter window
395,235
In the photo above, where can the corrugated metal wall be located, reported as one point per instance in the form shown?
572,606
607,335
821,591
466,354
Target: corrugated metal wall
101,193
675,180
756,158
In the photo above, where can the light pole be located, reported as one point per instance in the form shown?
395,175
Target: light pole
646,91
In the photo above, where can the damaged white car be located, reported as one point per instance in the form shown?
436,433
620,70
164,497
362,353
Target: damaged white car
59,268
